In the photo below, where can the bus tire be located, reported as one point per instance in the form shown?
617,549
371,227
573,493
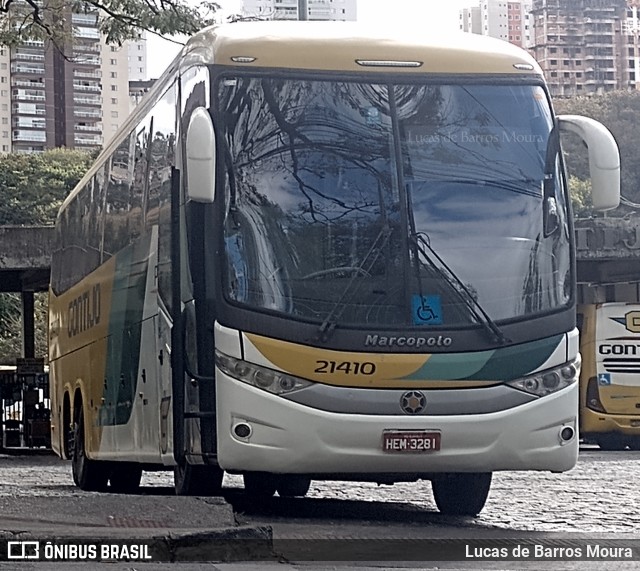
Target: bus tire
461,493
125,477
611,443
293,486
89,475
634,443
197,480
260,484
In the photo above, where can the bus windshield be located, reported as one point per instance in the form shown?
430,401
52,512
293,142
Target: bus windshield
392,204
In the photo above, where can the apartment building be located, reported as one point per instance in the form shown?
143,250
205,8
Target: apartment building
5,100
585,46
471,20
509,21
138,67
75,100
115,88
344,10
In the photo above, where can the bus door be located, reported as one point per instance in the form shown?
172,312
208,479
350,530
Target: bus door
148,386
163,352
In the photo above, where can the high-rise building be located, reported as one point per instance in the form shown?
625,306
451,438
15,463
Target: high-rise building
633,34
75,100
115,88
138,58
509,21
471,20
5,100
296,9
584,46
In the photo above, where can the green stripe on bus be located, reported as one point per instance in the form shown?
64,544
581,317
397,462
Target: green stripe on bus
125,325
503,364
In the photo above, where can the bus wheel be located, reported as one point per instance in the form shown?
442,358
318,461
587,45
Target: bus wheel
260,484
197,480
88,475
611,443
461,493
125,478
293,486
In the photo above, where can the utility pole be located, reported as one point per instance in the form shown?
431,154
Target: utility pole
303,9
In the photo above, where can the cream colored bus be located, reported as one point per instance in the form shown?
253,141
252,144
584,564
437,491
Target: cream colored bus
610,377
318,251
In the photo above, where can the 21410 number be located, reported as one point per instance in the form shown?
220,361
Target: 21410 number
345,367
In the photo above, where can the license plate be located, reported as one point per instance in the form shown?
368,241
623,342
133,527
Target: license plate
410,441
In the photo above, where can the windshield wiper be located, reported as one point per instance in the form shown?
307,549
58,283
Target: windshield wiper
424,251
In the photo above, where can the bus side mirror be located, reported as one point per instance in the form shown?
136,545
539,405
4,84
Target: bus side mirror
201,157
604,159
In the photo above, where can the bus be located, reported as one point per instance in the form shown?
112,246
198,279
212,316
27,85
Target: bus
610,376
324,251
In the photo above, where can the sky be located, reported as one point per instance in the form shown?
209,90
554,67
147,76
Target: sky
444,14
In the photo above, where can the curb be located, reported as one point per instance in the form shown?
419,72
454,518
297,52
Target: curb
235,544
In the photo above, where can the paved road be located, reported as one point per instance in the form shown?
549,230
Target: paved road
600,495
598,500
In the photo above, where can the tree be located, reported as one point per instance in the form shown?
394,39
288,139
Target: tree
580,191
33,186
11,327
619,111
119,20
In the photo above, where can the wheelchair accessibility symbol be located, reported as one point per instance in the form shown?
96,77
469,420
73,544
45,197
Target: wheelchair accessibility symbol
604,379
426,310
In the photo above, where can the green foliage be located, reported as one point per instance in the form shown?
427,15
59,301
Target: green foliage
619,111
580,191
165,18
119,20
33,186
11,327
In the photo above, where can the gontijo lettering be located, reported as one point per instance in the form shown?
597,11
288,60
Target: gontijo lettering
618,349
84,311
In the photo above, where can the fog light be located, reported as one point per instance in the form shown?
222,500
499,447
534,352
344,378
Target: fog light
567,434
242,430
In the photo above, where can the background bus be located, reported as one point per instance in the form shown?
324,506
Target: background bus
322,251
610,377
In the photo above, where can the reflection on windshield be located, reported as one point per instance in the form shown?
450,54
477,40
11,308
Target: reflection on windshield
316,227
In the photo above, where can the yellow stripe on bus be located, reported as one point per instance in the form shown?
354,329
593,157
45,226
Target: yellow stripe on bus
350,369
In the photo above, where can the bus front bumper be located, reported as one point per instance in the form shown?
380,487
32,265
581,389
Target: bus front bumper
594,424
286,437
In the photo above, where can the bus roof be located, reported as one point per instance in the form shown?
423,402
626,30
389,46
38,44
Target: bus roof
352,46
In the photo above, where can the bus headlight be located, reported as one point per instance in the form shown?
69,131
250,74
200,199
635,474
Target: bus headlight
549,381
262,378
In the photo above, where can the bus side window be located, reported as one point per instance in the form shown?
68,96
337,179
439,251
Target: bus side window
161,159
116,226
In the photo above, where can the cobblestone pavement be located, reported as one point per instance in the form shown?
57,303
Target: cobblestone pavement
600,495
597,499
